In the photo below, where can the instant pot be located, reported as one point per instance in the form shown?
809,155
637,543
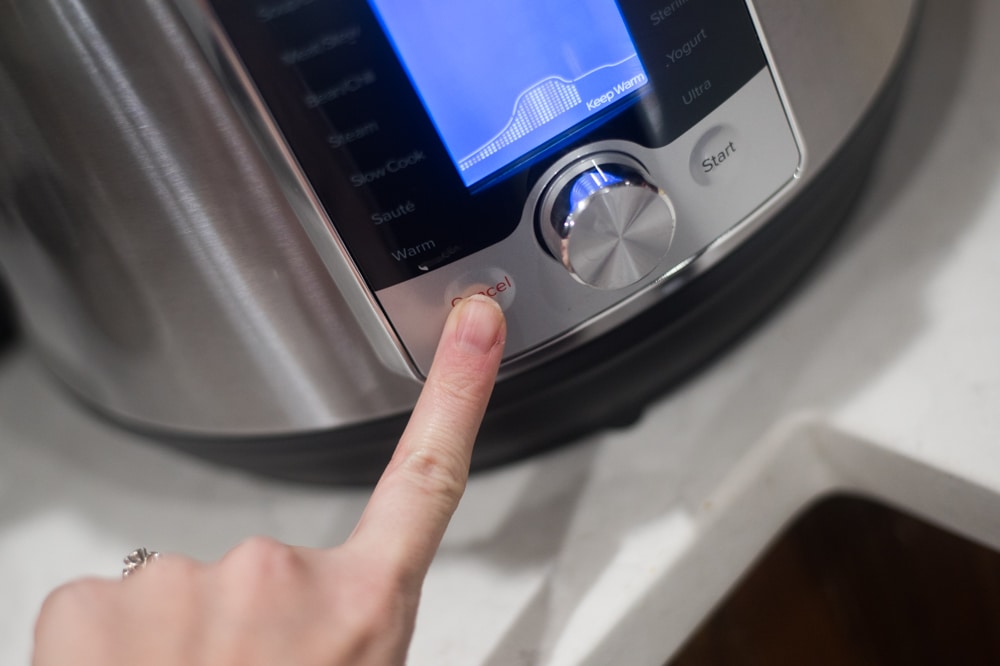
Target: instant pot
239,225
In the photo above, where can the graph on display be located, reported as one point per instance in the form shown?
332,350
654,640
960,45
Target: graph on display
500,80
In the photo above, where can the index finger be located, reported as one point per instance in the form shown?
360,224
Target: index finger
419,491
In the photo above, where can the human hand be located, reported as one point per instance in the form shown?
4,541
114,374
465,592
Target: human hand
266,603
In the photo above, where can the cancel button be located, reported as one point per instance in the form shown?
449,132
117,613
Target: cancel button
496,284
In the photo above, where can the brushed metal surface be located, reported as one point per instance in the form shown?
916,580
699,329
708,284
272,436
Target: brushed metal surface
155,263
171,264
832,58
619,237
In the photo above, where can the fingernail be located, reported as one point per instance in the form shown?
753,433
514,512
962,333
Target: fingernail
480,320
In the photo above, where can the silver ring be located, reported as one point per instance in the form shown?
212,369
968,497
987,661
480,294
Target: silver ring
138,559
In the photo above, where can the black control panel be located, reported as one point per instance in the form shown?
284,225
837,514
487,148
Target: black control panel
358,127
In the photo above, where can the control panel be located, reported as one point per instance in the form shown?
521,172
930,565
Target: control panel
559,156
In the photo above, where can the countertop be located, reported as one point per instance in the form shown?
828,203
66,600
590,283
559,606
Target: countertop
880,375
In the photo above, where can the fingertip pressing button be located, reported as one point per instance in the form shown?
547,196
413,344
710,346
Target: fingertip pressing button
493,283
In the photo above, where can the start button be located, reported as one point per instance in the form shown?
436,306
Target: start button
718,156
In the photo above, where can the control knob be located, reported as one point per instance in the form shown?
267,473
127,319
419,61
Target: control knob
607,224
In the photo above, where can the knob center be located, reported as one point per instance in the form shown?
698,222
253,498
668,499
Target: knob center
613,227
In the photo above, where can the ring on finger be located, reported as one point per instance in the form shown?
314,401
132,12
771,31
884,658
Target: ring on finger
138,559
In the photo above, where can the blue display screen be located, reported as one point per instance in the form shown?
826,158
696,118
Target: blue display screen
503,79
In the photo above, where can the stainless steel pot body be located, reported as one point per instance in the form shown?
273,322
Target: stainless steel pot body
170,261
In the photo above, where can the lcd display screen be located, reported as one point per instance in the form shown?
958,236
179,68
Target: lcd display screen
503,80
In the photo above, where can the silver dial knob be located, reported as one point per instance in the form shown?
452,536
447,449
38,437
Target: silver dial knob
607,224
